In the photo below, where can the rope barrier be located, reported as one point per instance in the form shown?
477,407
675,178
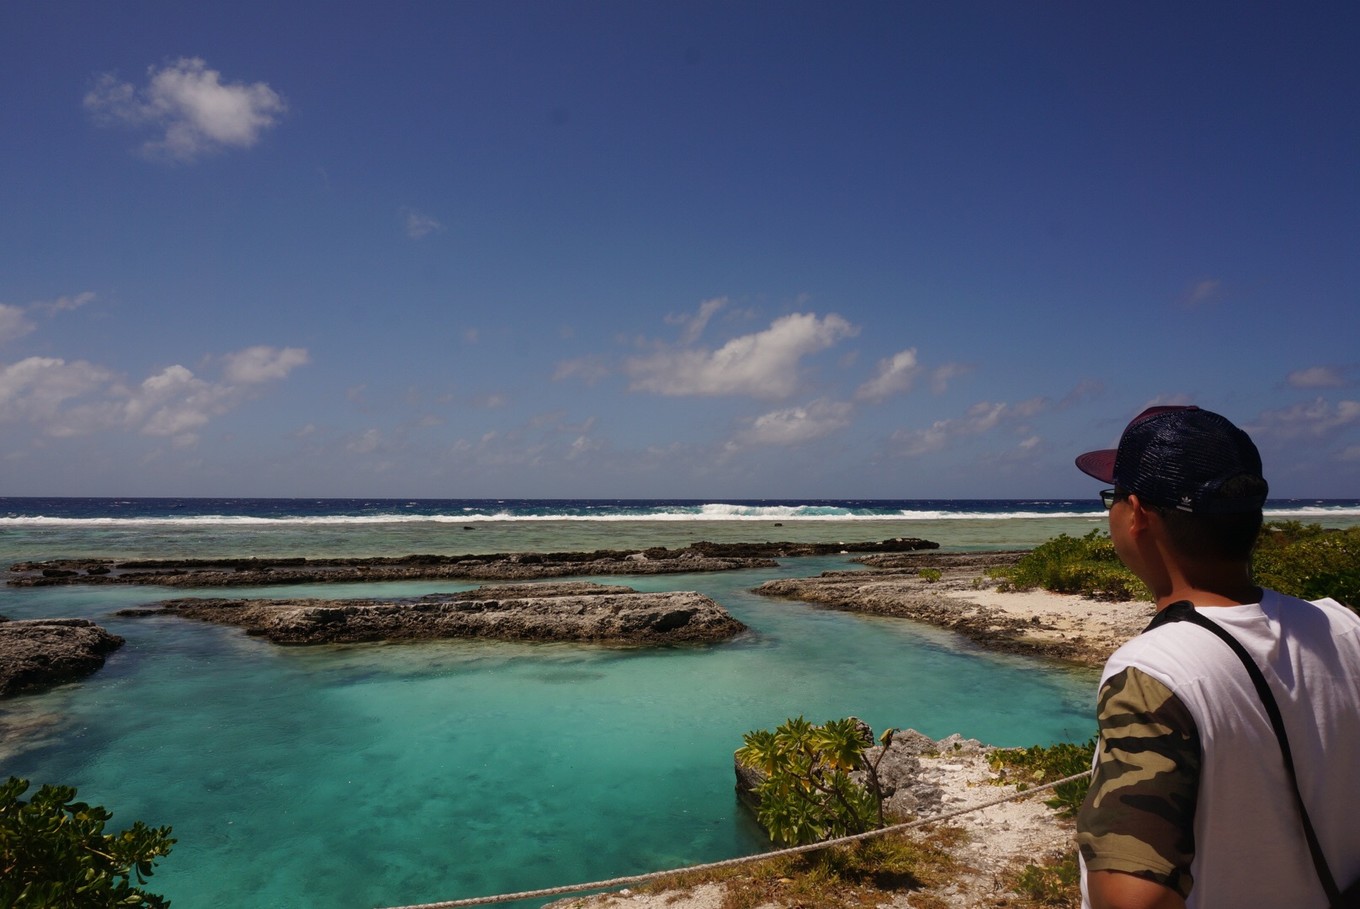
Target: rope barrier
740,860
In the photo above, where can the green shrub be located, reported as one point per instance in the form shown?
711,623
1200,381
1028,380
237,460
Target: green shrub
806,794
930,574
54,852
1085,565
1309,561
1039,764
1054,883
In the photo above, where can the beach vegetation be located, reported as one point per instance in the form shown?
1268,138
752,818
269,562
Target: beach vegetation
1039,765
1085,565
1309,561
806,791
930,575
54,852
1301,560
1055,882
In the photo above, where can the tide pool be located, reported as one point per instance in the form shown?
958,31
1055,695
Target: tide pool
380,775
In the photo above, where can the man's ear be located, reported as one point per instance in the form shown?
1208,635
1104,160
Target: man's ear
1139,517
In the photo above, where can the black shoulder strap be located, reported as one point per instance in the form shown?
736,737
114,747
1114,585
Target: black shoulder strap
1184,611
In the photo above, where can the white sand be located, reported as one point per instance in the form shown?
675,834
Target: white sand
1061,617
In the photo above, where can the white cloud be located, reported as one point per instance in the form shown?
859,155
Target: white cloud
14,320
35,389
190,107
14,323
694,325
1206,290
62,304
895,375
367,443
419,224
1312,419
69,399
175,401
979,418
263,364
763,365
1317,377
793,425
941,376
588,369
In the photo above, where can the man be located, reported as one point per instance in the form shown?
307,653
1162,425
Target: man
1190,804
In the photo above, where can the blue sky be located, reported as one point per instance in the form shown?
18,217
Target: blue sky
688,249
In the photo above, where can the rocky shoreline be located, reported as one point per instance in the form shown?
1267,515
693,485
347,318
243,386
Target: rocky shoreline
257,572
902,577
965,599
583,613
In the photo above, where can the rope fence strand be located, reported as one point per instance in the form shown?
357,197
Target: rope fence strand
740,860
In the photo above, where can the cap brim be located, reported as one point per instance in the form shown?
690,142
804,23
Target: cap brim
1098,464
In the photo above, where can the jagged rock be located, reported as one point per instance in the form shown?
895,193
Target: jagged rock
564,612
39,653
252,572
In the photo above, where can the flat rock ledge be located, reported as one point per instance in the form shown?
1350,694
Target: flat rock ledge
39,653
964,599
259,572
588,613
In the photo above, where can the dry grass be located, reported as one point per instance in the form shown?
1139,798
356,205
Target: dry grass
843,877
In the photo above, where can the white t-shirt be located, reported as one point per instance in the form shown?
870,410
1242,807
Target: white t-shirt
1250,850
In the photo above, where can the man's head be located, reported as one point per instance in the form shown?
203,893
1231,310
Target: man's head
1196,469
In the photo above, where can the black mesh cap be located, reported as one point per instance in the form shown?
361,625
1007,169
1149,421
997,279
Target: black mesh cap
1181,457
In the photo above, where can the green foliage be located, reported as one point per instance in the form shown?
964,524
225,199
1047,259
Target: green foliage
1037,765
1082,565
1054,883
807,794
54,852
1309,561
930,574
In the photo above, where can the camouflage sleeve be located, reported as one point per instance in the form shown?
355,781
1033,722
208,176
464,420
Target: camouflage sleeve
1140,811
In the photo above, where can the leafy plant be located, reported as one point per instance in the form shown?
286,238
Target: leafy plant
930,575
806,793
1309,561
1086,565
1302,560
1055,882
54,852
1039,764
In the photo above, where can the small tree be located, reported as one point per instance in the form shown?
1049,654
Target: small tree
54,852
806,793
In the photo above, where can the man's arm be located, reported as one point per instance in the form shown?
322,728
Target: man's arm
1117,890
1136,828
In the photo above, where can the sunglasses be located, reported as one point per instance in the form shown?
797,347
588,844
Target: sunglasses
1109,496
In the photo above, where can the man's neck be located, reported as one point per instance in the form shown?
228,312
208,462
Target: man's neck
1210,592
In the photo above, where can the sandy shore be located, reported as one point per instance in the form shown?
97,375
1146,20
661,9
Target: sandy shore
963,598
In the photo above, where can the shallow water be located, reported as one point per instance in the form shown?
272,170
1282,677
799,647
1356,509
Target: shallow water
380,775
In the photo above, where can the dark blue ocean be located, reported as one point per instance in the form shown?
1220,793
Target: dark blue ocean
382,775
